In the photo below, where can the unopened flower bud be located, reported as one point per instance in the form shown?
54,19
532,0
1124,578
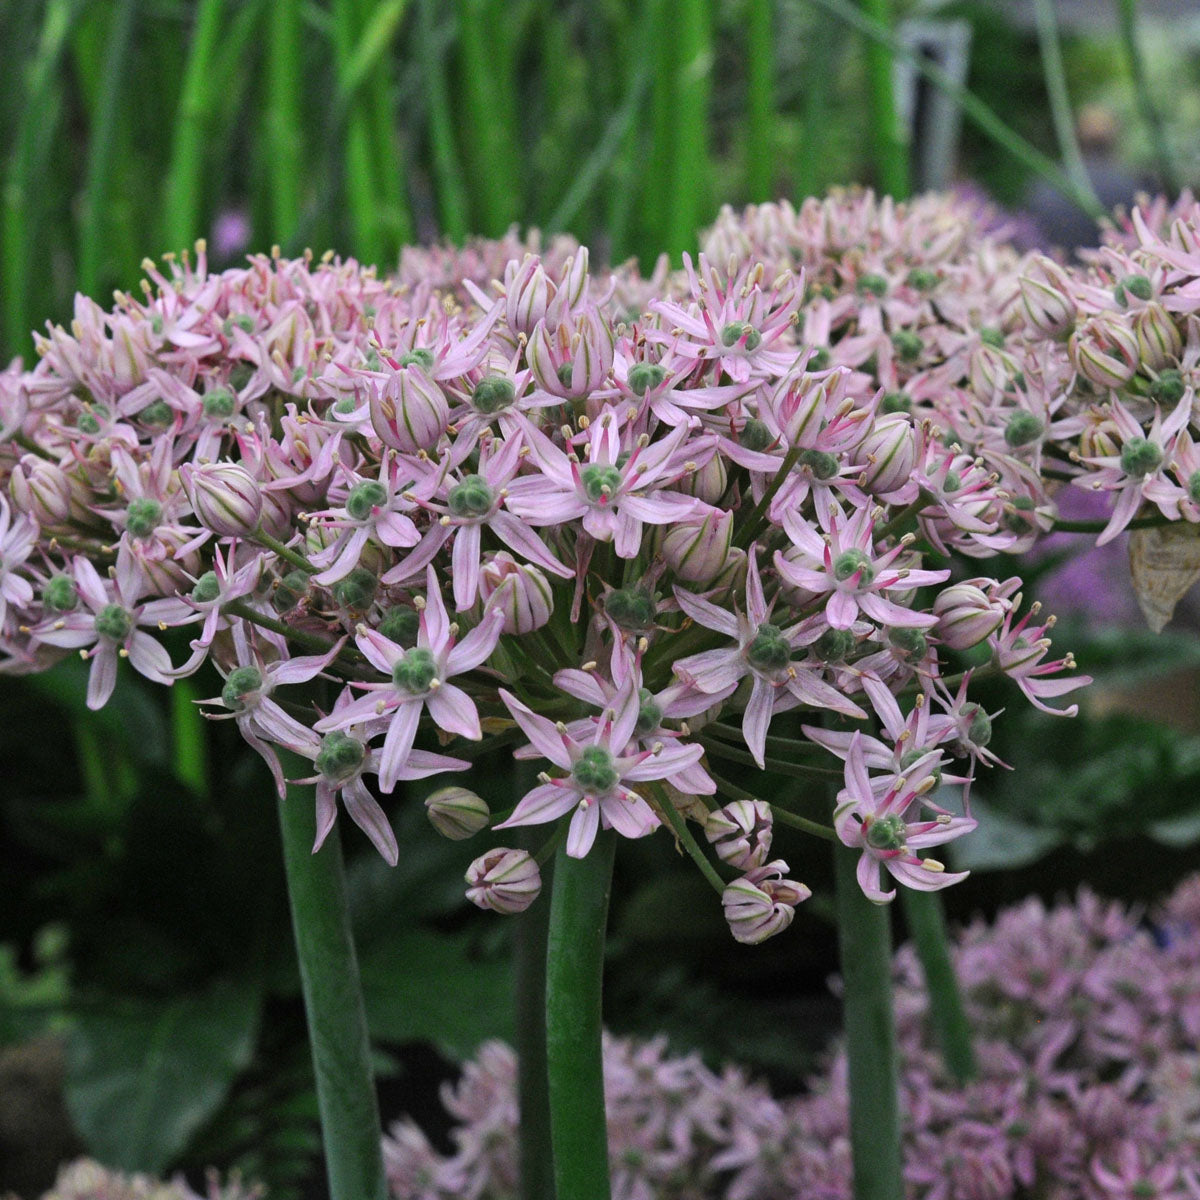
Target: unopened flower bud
457,813
46,492
762,903
503,880
697,548
527,292
573,358
966,615
707,483
225,497
1158,336
741,833
519,590
989,371
409,412
1104,350
888,454
1046,298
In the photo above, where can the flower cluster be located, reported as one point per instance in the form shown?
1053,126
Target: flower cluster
1089,1085
634,520
88,1180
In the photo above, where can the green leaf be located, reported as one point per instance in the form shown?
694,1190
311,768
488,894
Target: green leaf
429,986
143,1078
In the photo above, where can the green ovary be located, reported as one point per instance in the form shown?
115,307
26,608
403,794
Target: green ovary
599,480
113,622
241,682
594,771
852,562
365,496
340,757
471,498
770,650
415,671
1140,456
886,833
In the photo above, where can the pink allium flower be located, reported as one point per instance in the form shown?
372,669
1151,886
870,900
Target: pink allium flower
879,825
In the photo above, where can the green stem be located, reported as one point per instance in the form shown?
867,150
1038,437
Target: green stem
785,817
776,765
887,134
101,144
1061,526
686,198
574,978
760,101
811,173
284,141
1127,22
533,1086
333,1002
1050,48
927,923
277,547
310,641
181,205
864,938
23,196
486,109
973,108
750,529
683,835
188,737
451,191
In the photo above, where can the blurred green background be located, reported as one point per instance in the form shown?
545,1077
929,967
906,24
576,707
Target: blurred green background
146,972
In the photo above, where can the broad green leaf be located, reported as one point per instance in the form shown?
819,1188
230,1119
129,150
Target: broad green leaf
428,986
143,1078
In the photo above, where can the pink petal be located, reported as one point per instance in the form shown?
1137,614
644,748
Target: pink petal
454,711
582,832
547,802
541,733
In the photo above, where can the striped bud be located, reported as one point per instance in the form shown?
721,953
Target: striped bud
503,880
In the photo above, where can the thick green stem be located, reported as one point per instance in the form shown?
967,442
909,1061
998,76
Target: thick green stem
182,203
337,1024
533,1086
760,101
282,124
864,936
887,135
574,975
927,924
686,201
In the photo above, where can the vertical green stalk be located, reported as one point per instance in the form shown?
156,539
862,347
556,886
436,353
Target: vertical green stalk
284,141
451,194
533,1085
22,201
101,145
188,737
687,196
182,207
337,1024
864,938
489,117
887,135
1127,22
1050,49
574,974
927,923
810,172
760,102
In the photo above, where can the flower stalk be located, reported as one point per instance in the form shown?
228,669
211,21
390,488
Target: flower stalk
864,939
574,975
333,1002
